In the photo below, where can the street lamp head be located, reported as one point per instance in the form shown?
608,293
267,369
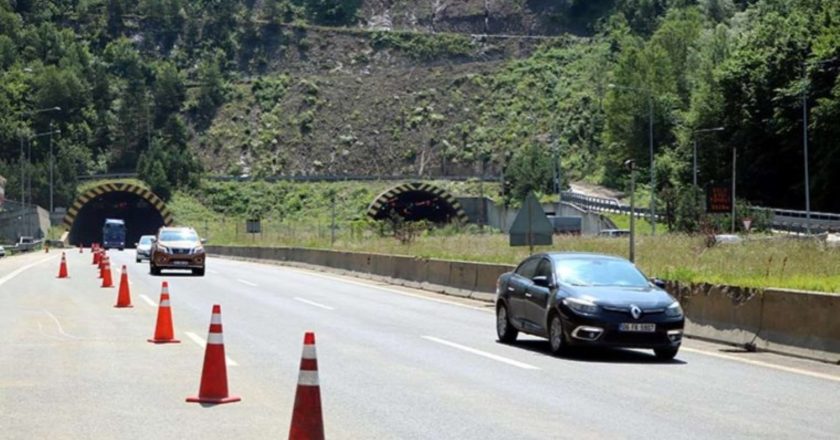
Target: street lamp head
57,108
612,86
630,164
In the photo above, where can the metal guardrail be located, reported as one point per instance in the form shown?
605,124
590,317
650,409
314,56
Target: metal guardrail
780,219
107,176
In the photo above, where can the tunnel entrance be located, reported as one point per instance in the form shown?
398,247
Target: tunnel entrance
417,201
143,212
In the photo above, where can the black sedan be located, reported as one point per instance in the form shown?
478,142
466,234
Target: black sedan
589,300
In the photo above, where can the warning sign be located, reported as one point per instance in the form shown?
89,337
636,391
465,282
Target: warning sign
747,221
718,199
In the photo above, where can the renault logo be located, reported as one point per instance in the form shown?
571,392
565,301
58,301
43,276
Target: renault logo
635,311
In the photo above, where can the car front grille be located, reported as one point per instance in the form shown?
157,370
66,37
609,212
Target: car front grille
180,251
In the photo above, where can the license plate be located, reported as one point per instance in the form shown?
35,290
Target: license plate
637,327
180,263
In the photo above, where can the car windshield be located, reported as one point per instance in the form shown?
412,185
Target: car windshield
145,240
599,272
178,236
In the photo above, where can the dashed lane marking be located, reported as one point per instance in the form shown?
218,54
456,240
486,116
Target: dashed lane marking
247,283
313,303
148,300
202,343
492,356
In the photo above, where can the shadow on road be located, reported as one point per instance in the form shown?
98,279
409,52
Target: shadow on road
596,354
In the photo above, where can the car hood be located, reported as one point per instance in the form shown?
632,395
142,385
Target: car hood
180,244
619,296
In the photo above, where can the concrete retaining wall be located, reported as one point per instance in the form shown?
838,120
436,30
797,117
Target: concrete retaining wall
798,323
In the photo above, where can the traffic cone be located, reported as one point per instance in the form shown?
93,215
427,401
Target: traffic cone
46,247
62,270
164,334
95,253
307,420
124,296
101,266
214,387
106,276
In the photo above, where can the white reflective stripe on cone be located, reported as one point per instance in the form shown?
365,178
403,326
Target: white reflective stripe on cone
215,339
164,303
308,378
309,352
216,319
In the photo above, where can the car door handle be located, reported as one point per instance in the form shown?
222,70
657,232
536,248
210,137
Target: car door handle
510,289
528,295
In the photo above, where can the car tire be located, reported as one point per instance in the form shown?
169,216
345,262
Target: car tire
137,260
198,272
556,336
666,354
506,332
154,269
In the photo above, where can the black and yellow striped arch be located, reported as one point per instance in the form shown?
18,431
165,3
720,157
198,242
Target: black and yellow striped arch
387,196
104,188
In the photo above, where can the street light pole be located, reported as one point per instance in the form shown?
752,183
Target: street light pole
734,162
51,168
630,164
805,138
649,94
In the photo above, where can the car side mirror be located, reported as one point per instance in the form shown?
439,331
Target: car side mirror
136,244
203,240
658,283
154,240
542,281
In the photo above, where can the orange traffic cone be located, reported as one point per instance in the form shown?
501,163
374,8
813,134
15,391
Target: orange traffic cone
164,334
106,276
62,270
214,387
101,266
307,420
124,296
95,253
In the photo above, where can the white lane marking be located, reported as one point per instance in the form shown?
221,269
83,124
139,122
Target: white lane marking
247,283
387,289
58,324
763,364
19,271
482,353
148,300
443,301
313,303
202,343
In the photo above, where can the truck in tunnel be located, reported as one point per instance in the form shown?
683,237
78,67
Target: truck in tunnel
113,234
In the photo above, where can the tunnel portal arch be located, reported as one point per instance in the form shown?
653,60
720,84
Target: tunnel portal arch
416,201
143,211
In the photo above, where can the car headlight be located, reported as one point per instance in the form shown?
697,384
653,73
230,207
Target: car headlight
581,306
674,310
197,250
165,249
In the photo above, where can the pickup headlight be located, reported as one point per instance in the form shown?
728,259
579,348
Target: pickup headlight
165,249
197,250
674,310
581,306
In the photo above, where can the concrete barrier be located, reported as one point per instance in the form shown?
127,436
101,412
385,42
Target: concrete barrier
798,323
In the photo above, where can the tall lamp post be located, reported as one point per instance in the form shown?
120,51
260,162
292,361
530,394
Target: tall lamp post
805,82
631,165
649,94
29,147
695,135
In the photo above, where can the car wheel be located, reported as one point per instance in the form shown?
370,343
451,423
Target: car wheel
199,272
506,332
138,260
154,269
556,337
666,354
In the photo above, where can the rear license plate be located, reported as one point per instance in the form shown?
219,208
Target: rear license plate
637,327
180,263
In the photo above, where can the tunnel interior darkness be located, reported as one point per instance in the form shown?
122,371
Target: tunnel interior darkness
140,216
416,206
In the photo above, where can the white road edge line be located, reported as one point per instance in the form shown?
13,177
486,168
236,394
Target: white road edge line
19,271
763,364
482,353
387,289
313,303
203,344
148,300
247,283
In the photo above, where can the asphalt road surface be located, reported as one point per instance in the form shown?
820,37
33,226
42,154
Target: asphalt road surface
394,364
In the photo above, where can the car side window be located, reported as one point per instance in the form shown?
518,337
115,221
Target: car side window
544,269
527,268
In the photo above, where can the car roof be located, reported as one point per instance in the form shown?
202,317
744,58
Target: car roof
557,256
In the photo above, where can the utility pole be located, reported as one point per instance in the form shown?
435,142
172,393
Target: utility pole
51,169
805,137
332,227
734,162
631,165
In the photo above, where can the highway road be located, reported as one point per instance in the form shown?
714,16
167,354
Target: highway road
394,363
